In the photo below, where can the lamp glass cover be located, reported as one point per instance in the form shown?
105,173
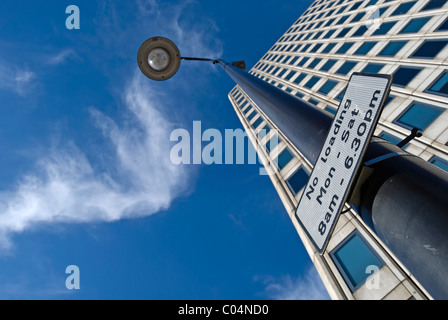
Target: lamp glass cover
158,59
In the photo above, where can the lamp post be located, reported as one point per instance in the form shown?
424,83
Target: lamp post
401,197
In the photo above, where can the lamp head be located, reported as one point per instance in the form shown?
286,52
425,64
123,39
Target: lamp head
158,58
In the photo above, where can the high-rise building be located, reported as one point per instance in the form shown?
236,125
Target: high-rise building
313,61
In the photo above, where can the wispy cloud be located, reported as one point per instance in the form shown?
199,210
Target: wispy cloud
66,188
148,7
193,37
68,185
16,79
60,57
304,287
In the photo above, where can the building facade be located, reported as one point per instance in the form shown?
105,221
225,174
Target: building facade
313,61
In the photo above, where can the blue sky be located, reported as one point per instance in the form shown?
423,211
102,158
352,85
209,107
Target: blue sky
86,177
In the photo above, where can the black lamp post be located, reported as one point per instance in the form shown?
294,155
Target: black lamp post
403,198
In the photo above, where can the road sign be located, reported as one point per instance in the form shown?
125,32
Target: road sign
340,158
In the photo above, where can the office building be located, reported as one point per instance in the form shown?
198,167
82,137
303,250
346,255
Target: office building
313,61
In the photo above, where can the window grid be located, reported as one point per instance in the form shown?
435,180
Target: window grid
320,38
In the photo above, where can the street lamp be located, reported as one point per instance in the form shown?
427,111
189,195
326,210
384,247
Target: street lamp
159,59
403,198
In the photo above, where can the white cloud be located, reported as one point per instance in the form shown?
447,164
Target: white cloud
15,79
139,181
304,287
60,57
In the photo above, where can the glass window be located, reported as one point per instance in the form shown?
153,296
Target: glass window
316,47
263,132
330,22
358,17
328,86
392,48
415,25
418,115
305,47
365,48
283,159
319,24
313,101
340,95
380,12
328,48
343,33
346,67
352,257
403,8
293,60
298,180
290,75
303,61
327,66
356,5
439,162
341,9
429,49
314,63
361,30
433,4
342,20
384,28
317,35
345,47
307,36
272,143
331,110
404,75
251,116
390,137
299,94
312,82
329,34
300,78
299,36
373,67
282,73
440,86
443,26
257,122
246,107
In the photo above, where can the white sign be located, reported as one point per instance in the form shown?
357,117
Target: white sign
340,158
